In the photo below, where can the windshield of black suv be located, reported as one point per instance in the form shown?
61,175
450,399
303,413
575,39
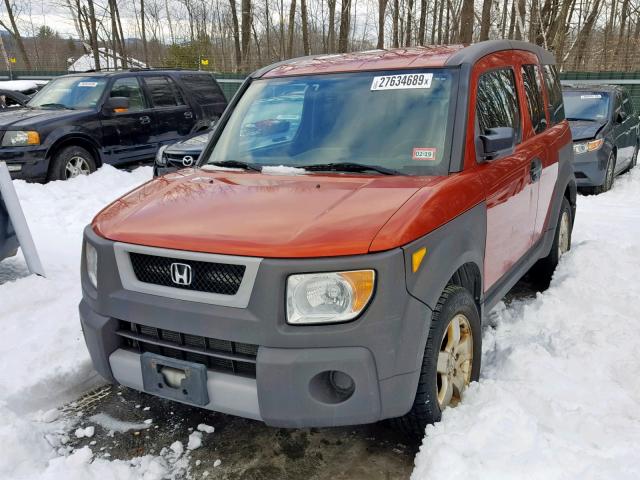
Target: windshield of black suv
394,122
70,93
585,105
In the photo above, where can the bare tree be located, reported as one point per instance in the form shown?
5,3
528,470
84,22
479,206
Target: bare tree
305,26
15,33
345,22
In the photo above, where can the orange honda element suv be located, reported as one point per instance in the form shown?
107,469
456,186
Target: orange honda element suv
329,259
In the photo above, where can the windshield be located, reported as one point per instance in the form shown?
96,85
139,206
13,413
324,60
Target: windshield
390,120
70,92
589,106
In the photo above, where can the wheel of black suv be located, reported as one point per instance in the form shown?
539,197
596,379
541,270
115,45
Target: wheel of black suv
542,271
609,176
451,360
71,162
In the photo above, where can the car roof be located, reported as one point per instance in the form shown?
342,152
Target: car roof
398,59
150,71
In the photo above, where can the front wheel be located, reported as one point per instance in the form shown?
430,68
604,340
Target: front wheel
542,271
609,176
451,360
71,162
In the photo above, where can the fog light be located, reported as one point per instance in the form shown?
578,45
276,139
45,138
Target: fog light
342,383
332,387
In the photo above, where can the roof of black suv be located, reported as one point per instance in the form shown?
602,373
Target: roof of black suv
143,71
592,87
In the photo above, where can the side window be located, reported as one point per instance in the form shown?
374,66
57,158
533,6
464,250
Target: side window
497,101
163,91
129,87
554,92
203,87
535,100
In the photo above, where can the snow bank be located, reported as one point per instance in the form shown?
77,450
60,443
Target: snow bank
559,395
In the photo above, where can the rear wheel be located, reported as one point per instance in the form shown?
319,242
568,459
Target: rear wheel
609,176
542,271
71,162
451,360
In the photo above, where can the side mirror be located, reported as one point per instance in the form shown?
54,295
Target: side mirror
621,116
116,105
496,142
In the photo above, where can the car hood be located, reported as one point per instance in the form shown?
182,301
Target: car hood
585,130
23,118
254,214
192,146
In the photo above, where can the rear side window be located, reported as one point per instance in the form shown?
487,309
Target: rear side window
163,91
535,100
554,92
203,88
497,102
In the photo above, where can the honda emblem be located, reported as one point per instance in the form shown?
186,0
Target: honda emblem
181,274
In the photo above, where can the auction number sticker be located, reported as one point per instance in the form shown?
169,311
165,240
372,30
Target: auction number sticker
421,153
590,97
402,81
88,84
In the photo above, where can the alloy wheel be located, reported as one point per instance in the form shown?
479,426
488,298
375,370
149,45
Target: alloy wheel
76,166
609,178
455,361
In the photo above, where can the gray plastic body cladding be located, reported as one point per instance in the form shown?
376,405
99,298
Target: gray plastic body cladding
393,328
460,241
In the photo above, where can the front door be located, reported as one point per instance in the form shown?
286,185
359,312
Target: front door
511,193
129,135
175,116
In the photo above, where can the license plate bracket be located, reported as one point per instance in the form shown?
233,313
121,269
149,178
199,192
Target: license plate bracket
174,379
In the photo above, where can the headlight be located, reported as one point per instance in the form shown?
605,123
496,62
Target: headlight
328,297
590,146
20,138
92,263
161,160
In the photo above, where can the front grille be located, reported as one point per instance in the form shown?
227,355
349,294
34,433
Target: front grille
219,355
220,278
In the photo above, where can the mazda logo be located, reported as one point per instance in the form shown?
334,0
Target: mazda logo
187,160
181,274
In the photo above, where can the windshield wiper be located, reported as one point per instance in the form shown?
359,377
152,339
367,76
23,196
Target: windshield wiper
56,105
576,119
236,164
350,167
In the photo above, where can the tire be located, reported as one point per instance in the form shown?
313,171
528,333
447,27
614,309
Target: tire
609,178
542,271
71,162
634,158
456,304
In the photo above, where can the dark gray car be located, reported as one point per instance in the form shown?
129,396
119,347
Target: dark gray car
183,154
606,129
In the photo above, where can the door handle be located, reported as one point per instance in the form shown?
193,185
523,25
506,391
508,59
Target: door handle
188,114
144,120
536,170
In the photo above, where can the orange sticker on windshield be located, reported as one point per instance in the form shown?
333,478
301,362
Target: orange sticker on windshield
420,153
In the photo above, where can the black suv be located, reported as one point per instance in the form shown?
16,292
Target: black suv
606,134
77,122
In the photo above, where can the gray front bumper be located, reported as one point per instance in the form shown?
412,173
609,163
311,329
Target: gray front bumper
590,168
381,350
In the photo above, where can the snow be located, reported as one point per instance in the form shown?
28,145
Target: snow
203,427
559,395
195,441
114,425
283,170
85,432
